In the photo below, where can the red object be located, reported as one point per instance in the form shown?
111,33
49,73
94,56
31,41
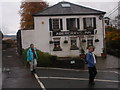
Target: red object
34,53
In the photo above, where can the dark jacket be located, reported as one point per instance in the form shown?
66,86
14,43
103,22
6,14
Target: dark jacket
90,59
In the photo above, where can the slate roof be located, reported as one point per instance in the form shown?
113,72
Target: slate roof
74,9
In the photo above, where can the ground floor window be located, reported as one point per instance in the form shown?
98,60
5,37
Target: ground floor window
89,42
57,45
74,44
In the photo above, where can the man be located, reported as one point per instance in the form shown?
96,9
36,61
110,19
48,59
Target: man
32,58
91,61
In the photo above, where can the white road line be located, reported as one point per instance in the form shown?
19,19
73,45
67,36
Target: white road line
75,69
40,83
68,78
9,56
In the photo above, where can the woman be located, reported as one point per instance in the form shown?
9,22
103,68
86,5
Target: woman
32,58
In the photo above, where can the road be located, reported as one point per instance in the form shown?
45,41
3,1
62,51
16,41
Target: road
17,75
70,78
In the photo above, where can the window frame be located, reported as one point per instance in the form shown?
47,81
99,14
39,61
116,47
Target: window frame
73,47
75,27
55,23
55,48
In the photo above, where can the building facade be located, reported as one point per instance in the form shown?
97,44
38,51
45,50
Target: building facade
119,15
66,30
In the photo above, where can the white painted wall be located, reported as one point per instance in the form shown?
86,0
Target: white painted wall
27,38
40,36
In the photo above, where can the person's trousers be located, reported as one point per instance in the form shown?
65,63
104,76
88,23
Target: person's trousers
92,73
33,64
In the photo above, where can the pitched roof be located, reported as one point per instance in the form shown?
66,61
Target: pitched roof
67,8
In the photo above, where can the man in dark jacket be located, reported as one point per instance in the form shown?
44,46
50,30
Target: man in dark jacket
90,58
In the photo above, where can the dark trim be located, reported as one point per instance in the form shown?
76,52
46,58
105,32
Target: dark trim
94,22
61,24
50,24
84,23
78,23
69,14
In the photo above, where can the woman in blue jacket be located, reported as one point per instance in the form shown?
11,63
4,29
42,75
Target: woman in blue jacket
90,58
32,57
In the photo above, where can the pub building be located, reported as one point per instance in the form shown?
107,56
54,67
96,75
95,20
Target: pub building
66,30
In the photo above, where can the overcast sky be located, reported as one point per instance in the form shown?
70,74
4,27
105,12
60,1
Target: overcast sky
10,18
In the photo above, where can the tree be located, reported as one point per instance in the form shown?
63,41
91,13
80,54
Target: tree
27,9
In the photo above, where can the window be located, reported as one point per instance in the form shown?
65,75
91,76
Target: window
66,5
55,24
74,44
89,42
57,45
73,24
89,23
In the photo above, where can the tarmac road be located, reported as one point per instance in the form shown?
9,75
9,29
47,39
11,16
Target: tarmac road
70,78
17,75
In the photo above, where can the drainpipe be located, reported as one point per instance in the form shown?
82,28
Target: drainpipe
104,45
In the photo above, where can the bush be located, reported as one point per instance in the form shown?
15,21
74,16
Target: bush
9,43
44,59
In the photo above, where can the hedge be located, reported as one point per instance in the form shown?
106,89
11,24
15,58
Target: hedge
44,59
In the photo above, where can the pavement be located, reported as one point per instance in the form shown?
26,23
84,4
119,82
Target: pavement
17,75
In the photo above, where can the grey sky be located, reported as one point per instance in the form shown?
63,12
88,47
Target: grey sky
10,19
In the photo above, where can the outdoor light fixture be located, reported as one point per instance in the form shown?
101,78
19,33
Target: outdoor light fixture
100,17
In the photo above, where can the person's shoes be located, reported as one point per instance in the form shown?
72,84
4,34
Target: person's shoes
91,83
33,71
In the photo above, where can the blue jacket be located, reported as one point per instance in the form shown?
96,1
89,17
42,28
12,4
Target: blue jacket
30,56
90,59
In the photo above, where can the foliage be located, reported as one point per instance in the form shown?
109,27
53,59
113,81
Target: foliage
27,9
112,39
9,43
44,59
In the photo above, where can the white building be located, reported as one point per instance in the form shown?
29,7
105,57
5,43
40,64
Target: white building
66,28
119,15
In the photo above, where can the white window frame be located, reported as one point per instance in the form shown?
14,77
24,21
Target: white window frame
91,21
53,23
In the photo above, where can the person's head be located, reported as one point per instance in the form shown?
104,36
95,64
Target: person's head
32,46
91,48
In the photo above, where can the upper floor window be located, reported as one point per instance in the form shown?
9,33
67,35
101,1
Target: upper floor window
89,23
73,23
55,24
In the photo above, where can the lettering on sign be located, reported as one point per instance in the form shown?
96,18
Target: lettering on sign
67,33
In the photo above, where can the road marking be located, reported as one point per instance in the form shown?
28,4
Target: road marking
9,56
75,69
68,78
40,83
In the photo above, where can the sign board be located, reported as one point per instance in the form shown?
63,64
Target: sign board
70,33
